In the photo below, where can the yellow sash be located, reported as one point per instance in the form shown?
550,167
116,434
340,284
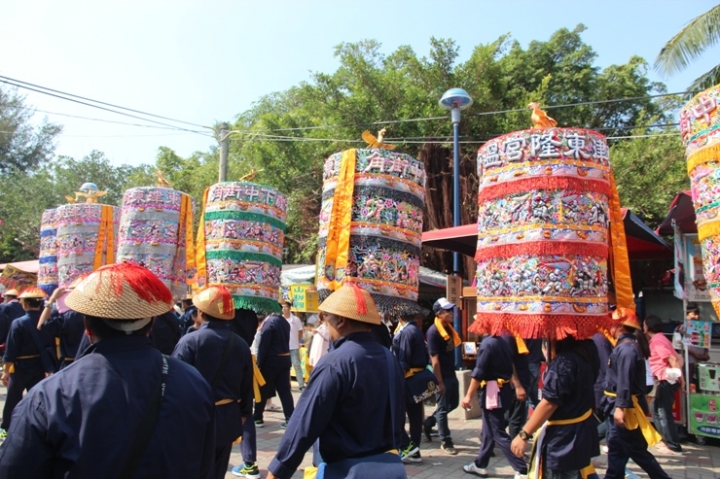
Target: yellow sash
619,256
338,239
106,238
413,371
501,382
635,418
536,465
445,335
186,223
258,380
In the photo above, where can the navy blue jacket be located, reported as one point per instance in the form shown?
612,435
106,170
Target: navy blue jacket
569,383
604,347
625,375
520,361
205,350
20,343
70,328
9,312
274,339
245,324
82,422
493,362
165,332
346,405
409,347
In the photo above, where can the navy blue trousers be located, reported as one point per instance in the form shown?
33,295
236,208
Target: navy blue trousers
623,445
248,446
19,382
415,419
493,432
276,372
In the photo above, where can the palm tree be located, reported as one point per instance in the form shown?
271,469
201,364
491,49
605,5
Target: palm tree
701,33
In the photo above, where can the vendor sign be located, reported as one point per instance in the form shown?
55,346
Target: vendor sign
304,297
704,415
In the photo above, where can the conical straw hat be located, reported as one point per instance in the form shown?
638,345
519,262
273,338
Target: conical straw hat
32,293
215,301
352,302
123,291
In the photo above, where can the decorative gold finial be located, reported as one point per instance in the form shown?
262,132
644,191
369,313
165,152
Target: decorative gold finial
251,174
377,142
70,199
90,192
161,181
539,118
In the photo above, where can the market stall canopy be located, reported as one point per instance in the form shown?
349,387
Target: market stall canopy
32,266
683,212
295,274
643,242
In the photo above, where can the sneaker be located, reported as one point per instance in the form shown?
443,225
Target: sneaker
520,476
416,458
247,469
408,452
283,425
3,434
448,448
478,471
630,475
259,423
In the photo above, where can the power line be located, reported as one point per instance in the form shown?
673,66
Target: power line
102,102
102,120
101,107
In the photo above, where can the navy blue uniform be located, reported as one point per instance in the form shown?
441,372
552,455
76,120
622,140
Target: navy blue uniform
246,323
445,351
9,312
70,328
535,357
409,348
625,378
165,332
205,350
569,383
516,411
82,422
604,348
273,359
346,405
495,361
21,349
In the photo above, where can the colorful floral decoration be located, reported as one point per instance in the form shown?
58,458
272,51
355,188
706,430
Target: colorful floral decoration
700,129
240,242
156,231
86,235
48,266
370,226
548,219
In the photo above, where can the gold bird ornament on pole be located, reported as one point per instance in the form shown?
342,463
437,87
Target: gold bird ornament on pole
251,174
539,118
378,142
161,181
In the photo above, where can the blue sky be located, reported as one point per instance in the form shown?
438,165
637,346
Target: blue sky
208,61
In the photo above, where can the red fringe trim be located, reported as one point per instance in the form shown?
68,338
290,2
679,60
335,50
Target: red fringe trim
500,190
536,326
542,248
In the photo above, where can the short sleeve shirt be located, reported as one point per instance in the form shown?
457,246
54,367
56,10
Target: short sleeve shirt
444,350
661,350
295,327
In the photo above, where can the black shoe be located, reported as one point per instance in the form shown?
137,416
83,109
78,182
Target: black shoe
427,429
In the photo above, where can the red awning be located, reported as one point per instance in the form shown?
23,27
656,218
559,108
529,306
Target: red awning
643,242
683,212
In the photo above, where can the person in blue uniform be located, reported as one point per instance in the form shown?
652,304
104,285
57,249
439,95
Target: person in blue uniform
347,404
223,358
493,376
23,365
9,311
165,332
122,409
535,359
568,439
273,359
68,327
516,410
442,340
625,405
604,347
409,348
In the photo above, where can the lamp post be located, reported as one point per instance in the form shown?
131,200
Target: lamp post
456,100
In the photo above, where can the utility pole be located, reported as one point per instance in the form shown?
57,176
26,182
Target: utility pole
223,139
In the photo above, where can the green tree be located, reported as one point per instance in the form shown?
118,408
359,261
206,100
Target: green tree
688,44
22,145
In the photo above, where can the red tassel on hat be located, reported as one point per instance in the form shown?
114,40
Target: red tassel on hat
359,299
227,299
145,284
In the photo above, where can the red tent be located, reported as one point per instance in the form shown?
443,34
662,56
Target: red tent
683,212
643,242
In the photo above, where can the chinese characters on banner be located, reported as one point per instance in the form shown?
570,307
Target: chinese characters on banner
698,333
695,284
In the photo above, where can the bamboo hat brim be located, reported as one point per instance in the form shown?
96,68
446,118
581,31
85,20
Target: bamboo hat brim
627,317
32,293
124,291
215,301
352,302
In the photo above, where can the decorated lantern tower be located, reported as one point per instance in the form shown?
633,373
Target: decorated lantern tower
240,242
48,267
548,222
700,129
86,234
156,231
371,224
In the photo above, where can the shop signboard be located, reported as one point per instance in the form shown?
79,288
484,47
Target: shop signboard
695,284
704,416
304,298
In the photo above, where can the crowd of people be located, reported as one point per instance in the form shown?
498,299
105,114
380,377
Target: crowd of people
115,381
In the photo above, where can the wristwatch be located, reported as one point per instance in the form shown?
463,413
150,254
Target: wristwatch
524,436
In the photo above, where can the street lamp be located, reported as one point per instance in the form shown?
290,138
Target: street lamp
455,100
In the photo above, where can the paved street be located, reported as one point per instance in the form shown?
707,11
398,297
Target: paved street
699,462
